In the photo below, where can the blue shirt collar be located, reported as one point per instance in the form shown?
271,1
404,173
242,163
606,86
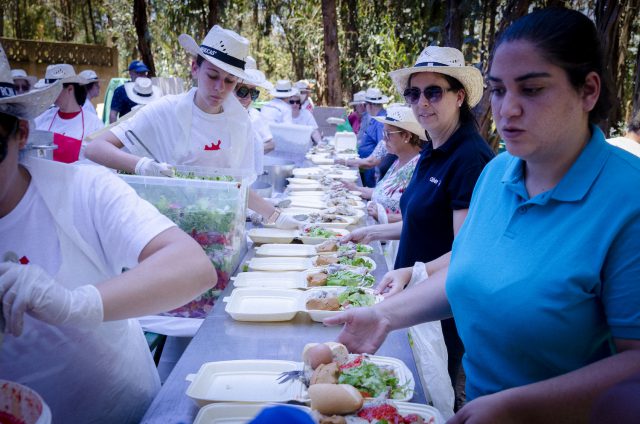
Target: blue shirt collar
579,178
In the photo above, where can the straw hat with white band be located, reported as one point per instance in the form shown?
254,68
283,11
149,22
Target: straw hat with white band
221,47
64,73
402,116
24,106
22,74
374,95
303,85
284,89
358,98
446,61
256,77
142,91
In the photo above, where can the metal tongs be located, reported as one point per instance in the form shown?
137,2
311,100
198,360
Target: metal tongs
135,140
292,375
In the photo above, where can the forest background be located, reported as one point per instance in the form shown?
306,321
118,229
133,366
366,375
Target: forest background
343,45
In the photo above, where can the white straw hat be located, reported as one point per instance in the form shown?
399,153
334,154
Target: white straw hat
358,98
303,85
90,75
22,74
221,47
256,77
446,61
402,116
24,106
284,89
142,91
64,73
374,95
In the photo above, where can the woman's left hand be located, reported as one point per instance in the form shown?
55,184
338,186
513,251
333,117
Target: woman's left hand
487,409
372,209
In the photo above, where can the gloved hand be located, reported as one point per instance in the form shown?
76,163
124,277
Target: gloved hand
256,218
287,222
28,288
151,168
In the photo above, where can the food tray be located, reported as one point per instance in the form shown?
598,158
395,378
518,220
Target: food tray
255,380
279,264
308,202
430,414
297,187
271,235
280,280
286,250
313,172
245,381
295,180
364,257
273,305
235,413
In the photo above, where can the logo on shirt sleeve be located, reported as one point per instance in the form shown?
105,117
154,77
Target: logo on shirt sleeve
213,146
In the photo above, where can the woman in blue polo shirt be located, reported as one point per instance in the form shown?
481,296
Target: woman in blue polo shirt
544,275
441,91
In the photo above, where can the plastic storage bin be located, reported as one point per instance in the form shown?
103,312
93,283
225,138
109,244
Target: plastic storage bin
212,212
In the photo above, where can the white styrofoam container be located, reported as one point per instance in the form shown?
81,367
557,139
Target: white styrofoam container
279,264
345,140
280,280
235,413
286,250
271,235
339,232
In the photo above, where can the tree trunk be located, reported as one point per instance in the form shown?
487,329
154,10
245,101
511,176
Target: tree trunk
16,27
84,23
214,14
607,20
1,21
349,17
453,24
144,38
331,53
93,22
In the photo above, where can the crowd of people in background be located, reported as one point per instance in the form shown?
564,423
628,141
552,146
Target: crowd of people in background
529,260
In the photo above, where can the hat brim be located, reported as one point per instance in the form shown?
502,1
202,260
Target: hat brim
76,79
189,44
360,102
257,79
469,76
283,94
142,100
31,104
412,127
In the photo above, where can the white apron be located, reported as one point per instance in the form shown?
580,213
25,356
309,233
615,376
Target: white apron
105,375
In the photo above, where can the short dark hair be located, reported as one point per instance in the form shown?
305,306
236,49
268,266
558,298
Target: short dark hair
79,92
570,40
199,60
634,124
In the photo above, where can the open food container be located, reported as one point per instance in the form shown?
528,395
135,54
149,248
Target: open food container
20,404
235,413
305,250
276,235
210,205
256,380
260,304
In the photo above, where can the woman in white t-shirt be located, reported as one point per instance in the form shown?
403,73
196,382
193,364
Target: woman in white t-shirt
67,233
203,127
301,116
67,119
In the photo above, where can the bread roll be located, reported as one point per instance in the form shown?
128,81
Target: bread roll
339,351
332,399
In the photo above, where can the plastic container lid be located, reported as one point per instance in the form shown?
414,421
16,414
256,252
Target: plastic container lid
22,403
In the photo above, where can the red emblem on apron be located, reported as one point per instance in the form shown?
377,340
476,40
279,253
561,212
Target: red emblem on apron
213,146
68,150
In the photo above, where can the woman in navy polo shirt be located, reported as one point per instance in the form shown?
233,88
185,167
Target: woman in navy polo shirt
441,91
544,275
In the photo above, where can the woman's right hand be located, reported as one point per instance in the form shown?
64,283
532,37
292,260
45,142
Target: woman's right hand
365,329
349,185
361,235
394,281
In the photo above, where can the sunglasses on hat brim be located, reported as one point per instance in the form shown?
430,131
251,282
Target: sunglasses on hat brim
432,93
243,91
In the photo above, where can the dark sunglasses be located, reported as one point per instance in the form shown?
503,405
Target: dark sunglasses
432,93
295,102
244,91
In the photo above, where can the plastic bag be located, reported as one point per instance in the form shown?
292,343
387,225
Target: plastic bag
430,354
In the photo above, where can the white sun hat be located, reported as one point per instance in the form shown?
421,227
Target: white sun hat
222,47
303,85
22,74
358,98
256,77
24,106
284,89
374,95
142,91
446,61
90,75
402,116
64,73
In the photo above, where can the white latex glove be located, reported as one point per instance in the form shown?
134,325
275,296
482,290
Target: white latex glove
287,222
149,167
418,273
28,288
